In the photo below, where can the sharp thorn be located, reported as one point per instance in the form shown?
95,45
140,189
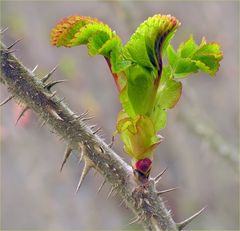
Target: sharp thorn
93,126
158,177
66,155
110,192
135,220
53,94
95,173
167,190
21,114
61,138
81,153
170,212
184,223
55,114
43,123
6,100
121,203
46,77
51,84
101,186
35,68
12,45
97,131
9,52
61,100
84,113
86,169
88,118
4,30
112,142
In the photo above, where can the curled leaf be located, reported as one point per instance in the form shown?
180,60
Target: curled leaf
99,38
150,40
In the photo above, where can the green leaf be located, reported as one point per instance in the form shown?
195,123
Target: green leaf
99,38
146,44
79,30
172,56
159,117
185,67
191,58
168,94
147,88
137,96
210,55
96,42
126,103
187,48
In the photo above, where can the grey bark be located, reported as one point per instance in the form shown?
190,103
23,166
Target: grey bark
142,199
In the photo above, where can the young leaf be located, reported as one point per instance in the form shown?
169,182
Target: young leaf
144,52
172,56
147,89
185,67
137,95
146,44
168,94
159,117
190,58
138,135
187,48
78,30
99,38
210,55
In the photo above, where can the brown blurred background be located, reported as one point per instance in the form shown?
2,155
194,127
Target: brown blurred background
201,136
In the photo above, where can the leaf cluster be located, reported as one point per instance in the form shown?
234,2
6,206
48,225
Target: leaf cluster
147,88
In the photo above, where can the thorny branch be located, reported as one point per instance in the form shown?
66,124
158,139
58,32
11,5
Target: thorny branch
36,94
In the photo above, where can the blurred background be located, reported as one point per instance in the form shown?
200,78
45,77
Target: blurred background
201,136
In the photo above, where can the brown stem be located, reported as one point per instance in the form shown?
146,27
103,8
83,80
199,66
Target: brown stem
142,199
